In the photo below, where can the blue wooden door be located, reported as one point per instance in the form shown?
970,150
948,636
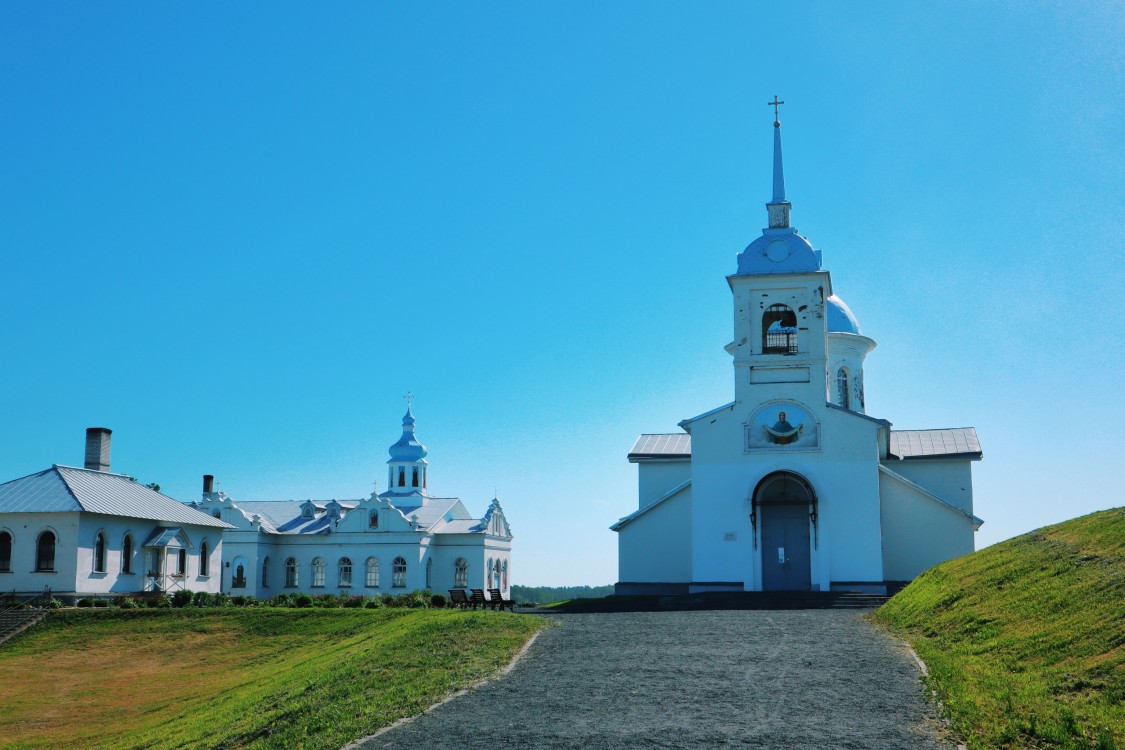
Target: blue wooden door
785,547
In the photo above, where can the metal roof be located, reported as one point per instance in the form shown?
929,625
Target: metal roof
662,445
955,441
167,536
284,516
62,489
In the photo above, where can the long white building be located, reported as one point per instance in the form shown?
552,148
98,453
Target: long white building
391,542
792,486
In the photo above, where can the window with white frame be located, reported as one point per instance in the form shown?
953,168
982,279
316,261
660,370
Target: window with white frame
398,573
429,572
372,578
45,552
99,553
345,571
204,559
5,552
842,388
319,572
460,573
291,577
181,562
239,581
266,572
127,554
504,575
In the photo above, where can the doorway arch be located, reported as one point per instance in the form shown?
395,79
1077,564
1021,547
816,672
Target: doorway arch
784,508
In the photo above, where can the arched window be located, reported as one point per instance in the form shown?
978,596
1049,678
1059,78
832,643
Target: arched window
99,553
373,520
491,571
401,476
266,572
204,559
372,579
291,578
460,573
779,330
239,581
345,571
414,478
319,570
504,575
843,394
429,572
398,573
308,511
45,551
5,552
127,554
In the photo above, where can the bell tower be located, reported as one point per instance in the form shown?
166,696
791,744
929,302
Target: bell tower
407,467
779,347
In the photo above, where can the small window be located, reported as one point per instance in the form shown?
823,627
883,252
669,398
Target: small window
5,552
181,562
423,477
504,575
291,578
307,511
345,571
216,514
372,579
779,330
843,394
373,520
460,573
319,570
239,581
127,554
266,572
429,573
45,552
204,560
398,573
414,479
401,476
99,553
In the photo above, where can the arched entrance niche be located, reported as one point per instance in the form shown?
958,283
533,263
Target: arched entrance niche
784,508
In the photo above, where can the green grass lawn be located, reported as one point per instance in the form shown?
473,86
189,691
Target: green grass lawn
240,678
1025,640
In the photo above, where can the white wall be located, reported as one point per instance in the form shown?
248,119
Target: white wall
25,529
655,547
656,478
918,531
949,478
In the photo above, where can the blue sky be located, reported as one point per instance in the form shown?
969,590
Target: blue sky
238,234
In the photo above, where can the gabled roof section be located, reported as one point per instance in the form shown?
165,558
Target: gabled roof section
685,422
661,445
626,520
876,420
954,442
285,516
977,522
62,489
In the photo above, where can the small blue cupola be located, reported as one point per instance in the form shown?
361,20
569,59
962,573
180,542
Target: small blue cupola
408,466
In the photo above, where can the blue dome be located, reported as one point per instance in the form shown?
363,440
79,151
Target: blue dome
840,318
407,448
778,251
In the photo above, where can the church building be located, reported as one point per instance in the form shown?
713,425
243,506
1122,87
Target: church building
396,541
792,486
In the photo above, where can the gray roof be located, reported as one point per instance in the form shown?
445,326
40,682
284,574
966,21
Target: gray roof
63,489
284,516
947,443
662,445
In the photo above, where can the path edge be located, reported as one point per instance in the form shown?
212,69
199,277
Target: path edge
502,672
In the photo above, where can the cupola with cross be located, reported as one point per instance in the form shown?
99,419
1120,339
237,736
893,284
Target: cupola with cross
407,466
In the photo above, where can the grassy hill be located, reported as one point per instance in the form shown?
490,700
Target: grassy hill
1025,640
240,678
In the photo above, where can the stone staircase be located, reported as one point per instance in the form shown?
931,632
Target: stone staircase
15,621
728,600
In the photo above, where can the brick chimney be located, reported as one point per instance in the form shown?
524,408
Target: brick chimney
97,448
208,484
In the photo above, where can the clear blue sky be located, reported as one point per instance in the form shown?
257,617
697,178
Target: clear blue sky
237,234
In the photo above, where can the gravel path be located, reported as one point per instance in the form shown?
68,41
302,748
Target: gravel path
744,678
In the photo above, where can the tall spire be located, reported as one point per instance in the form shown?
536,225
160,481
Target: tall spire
778,208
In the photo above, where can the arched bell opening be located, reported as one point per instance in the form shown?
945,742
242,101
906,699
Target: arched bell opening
784,515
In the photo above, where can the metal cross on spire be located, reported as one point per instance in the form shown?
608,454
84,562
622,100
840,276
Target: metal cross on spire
775,104
409,399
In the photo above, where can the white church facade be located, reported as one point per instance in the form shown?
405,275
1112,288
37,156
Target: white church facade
791,486
400,540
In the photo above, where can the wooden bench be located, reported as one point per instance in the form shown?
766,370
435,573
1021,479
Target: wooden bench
497,600
478,598
458,599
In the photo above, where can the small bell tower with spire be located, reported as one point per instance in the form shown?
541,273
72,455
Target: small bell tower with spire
778,208
408,468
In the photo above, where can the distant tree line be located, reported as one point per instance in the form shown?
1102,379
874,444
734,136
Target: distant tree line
549,594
